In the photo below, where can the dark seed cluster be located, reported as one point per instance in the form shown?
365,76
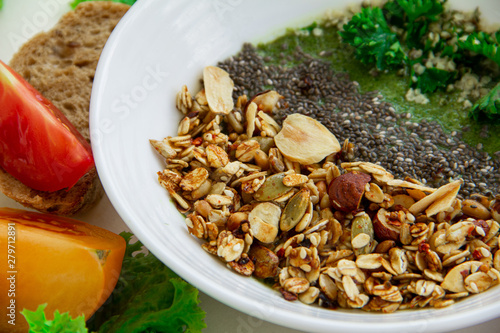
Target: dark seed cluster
421,150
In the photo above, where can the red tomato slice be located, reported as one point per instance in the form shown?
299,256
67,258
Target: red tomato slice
38,144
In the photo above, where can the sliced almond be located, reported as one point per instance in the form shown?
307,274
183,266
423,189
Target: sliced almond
270,120
372,168
163,148
407,184
441,192
444,203
378,172
305,140
403,200
454,281
250,118
218,89
295,179
264,221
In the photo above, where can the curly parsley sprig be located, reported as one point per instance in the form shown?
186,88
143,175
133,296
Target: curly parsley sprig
481,43
375,43
389,38
415,16
488,107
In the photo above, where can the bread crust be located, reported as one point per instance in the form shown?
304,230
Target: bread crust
61,65
81,197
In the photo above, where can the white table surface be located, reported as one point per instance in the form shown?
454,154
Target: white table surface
21,19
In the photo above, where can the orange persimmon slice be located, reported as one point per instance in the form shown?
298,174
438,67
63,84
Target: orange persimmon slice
70,265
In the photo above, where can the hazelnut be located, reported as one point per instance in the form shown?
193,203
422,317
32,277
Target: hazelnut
346,191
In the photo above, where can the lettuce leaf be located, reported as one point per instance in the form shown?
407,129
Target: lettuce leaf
62,323
77,2
148,298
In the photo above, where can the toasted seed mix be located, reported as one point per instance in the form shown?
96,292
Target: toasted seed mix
420,150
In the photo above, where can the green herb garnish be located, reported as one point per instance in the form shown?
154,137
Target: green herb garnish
432,79
417,14
401,36
310,27
375,43
76,2
482,43
488,107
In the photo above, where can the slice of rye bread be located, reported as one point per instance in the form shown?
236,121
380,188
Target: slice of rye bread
61,65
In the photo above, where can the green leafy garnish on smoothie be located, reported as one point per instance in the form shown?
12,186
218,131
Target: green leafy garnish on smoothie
433,78
416,16
375,43
488,107
482,43
421,40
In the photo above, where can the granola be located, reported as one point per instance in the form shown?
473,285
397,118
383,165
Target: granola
288,205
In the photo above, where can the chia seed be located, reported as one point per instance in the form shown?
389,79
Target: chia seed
312,88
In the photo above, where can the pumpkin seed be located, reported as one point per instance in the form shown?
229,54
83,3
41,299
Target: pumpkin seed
362,224
272,188
295,210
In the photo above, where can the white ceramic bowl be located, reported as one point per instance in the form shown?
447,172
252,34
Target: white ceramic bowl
161,45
